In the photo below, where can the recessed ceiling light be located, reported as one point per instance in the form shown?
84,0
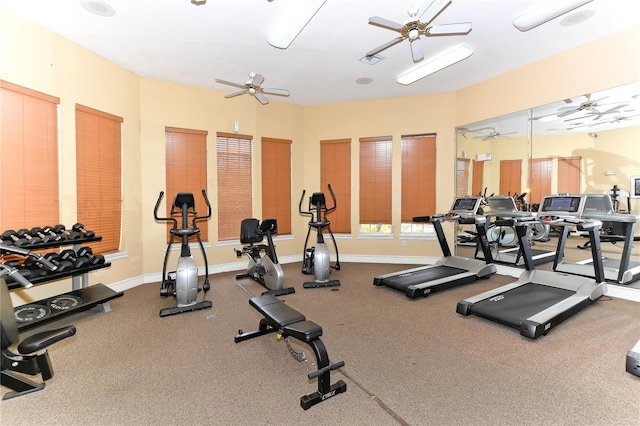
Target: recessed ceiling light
364,80
98,7
577,18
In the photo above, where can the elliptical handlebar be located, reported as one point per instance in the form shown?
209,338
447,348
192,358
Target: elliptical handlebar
208,215
335,204
306,213
164,219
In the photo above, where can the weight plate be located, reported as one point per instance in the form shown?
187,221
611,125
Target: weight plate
28,313
64,302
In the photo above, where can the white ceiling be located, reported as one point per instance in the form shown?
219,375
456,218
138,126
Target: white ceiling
177,41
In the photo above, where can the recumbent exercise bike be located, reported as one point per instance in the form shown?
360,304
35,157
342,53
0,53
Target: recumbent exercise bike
316,260
264,269
183,282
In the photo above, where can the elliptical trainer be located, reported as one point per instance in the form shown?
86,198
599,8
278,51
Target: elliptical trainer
316,260
264,269
183,282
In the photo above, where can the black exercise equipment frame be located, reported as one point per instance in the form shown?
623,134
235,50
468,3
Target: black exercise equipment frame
287,322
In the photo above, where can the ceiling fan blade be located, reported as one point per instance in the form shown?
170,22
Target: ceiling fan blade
416,50
233,95
564,114
599,114
277,92
433,10
384,46
261,98
230,83
385,23
257,79
449,29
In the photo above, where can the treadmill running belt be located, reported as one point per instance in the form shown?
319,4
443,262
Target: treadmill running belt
518,304
402,281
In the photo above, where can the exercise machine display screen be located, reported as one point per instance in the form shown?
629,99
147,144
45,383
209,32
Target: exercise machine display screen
561,204
597,204
466,205
502,204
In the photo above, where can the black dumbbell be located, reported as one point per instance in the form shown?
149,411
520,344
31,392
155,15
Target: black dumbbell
61,265
60,229
35,268
15,264
48,230
24,233
12,236
71,256
78,227
38,232
94,259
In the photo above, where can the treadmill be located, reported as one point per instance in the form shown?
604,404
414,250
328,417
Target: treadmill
620,271
448,271
540,300
502,206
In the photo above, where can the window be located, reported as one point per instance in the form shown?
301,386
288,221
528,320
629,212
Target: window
335,169
99,175
375,185
186,158
276,182
30,193
418,181
235,186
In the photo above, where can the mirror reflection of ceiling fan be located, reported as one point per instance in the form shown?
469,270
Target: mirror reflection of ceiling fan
253,88
616,120
417,26
464,130
597,114
495,134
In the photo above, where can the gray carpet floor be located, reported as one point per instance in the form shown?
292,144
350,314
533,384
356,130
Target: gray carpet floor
409,362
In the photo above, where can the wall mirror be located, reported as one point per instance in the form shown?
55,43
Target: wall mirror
587,143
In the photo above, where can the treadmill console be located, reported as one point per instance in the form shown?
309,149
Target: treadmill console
597,204
502,204
465,206
561,206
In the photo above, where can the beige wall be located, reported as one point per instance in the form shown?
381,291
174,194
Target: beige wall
46,62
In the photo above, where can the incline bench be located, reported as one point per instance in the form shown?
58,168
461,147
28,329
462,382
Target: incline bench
280,317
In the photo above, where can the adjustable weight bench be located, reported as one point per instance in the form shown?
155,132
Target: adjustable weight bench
283,319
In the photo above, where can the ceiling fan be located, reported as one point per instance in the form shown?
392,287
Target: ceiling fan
253,87
416,26
495,134
585,105
597,114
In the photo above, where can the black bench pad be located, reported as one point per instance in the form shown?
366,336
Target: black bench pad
275,311
304,330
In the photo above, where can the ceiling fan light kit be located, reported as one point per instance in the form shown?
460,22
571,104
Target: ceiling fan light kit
550,9
416,26
436,64
297,16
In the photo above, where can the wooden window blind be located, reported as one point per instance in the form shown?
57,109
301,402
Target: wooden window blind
99,175
276,182
235,188
186,162
29,179
418,176
540,170
477,180
335,169
569,174
510,177
375,180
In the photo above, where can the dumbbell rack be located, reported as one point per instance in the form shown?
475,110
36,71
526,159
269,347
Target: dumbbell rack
82,297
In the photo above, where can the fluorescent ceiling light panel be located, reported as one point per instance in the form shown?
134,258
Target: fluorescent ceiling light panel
549,10
434,65
296,15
